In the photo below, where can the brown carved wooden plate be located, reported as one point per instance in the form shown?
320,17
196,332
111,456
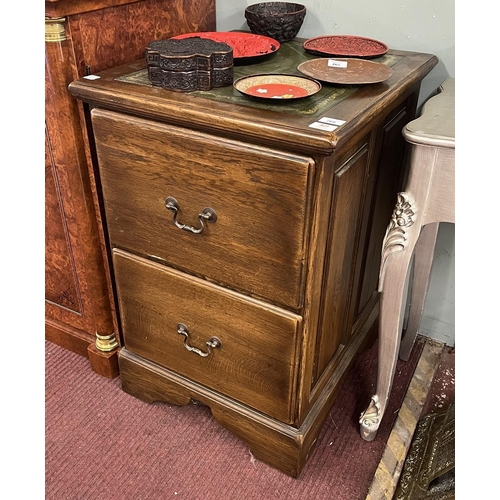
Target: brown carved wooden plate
345,71
245,45
345,46
277,86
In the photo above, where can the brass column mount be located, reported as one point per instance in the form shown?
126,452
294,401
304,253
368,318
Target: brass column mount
106,343
54,29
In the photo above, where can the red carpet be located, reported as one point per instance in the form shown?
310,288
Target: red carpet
102,443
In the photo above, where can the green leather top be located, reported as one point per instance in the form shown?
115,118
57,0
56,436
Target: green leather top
284,61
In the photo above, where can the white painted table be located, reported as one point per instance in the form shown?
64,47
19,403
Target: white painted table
428,199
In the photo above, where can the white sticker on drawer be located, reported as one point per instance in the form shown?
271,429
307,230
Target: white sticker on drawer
332,63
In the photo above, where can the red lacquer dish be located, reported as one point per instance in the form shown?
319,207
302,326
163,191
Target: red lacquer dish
345,46
245,45
277,86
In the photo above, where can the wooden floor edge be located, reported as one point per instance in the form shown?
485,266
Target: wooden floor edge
386,476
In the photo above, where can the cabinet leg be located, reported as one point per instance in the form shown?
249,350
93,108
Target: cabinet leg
103,355
103,363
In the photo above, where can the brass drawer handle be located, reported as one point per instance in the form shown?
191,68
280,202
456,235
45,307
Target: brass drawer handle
207,215
213,343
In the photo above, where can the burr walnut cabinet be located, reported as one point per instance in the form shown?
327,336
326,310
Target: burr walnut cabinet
246,237
83,36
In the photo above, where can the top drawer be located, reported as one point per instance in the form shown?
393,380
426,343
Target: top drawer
260,196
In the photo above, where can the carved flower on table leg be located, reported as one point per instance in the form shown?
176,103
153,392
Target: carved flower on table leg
395,236
403,213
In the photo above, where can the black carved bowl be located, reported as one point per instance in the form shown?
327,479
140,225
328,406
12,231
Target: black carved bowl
278,20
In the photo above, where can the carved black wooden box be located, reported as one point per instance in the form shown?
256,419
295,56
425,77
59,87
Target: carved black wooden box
189,64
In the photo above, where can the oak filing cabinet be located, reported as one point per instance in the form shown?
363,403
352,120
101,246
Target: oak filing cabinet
246,242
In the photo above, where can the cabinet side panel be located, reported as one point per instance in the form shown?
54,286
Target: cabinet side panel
346,211
388,183
69,162
60,278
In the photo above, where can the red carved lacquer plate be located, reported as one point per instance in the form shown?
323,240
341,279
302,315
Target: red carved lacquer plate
345,46
245,45
277,86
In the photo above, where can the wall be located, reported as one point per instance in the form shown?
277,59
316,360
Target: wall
422,26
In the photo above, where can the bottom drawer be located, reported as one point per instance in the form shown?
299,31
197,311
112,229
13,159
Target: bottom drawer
256,361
